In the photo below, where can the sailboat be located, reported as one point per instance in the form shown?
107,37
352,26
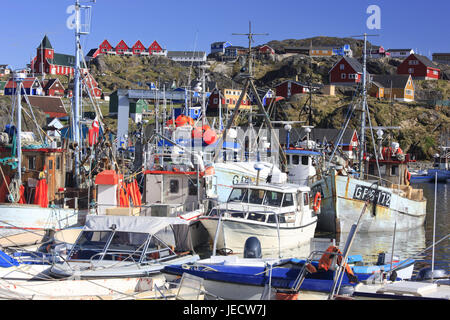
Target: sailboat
383,178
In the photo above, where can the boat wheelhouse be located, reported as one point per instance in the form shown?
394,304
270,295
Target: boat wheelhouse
279,215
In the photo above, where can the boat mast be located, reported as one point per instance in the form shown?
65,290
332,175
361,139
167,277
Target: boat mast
363,113
18,78
76,98
79,30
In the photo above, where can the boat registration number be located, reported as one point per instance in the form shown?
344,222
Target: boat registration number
375,196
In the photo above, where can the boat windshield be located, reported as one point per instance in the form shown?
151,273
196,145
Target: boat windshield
238,194
90,244
126,246
273,198
256,196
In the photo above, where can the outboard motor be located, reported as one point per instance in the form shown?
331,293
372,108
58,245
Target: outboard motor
426,273
252,248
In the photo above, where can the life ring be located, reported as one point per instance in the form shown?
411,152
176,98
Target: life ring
317,200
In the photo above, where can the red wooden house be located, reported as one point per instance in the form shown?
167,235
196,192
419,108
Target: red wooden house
288,88
155,48
419,67
90,83
105,46
347,71
53,88
138,48
122,47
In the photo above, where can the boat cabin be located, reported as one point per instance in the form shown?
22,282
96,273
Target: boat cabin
123,238
36,163
301,165
266,203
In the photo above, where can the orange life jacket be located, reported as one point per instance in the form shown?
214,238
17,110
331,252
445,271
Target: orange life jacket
327,259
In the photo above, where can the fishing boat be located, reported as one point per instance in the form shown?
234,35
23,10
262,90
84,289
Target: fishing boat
382,177
280,215
32,179
422,287
255,278
441,165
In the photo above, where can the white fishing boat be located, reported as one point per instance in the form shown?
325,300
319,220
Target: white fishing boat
280,215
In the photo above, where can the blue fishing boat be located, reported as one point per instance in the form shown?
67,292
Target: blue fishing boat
232,277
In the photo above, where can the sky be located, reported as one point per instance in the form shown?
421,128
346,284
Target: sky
195,24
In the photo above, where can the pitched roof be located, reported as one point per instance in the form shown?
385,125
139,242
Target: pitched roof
61,59
427,62
27,83
92,52
354,64
45,43
398,80
53,106
48,83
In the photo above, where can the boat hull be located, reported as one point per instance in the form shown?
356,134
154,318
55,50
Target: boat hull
235,231
342,205
78,289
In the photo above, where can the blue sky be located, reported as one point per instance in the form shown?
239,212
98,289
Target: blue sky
195,24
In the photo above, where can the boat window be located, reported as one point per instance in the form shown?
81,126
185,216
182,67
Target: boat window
32,162
256,196
157,250
295,159
256,216
126,246
58,163
174,186
305,160
288,200
273,198
237,194
237,214
272,219
305,199
90,243
192,188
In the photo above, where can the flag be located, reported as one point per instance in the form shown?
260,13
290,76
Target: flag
94,132
269,94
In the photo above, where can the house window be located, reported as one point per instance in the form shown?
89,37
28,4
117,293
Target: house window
413,62
32,162
58,163
394,170
435,72
174,186
409,92
410,70
343,76
342,66
215,101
